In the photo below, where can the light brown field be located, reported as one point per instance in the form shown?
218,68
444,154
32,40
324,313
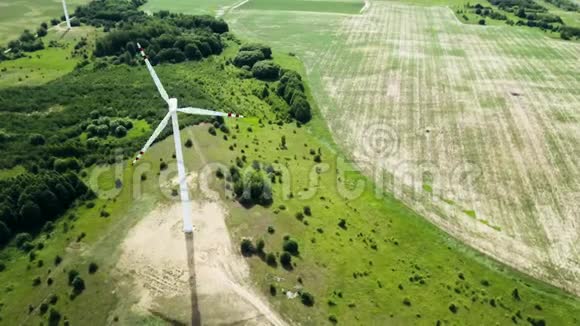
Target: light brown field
477,128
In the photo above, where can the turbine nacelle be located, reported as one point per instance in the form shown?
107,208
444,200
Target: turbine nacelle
172,102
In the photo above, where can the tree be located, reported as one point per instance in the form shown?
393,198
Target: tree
188,143
53,317
521,13
41,32
37,140
481,22
291,246
307,299
248,58
286,259
120,132
300,109
31,214
4,234
266,50
271,259
93,267
192,52
54,21
266,70
78,285
72,274
260,246
247,247
173,55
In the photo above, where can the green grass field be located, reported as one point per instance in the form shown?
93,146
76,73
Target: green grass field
47,64
15,16
344,7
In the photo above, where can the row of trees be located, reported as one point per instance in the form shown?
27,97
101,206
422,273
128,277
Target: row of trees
291,89
164,42
31,200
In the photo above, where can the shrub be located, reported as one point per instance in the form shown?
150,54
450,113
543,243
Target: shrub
188,143
53,298
291,246
286,259
37,140
78,285
248,58
43,308
271,229
72,274
307,299
21,239
481,22
36,281
247,247
2,266
516,294
4,233
272,290
93,267
212,131
407,302
260,246
57,260
266,70
54,317
453,308
162,166
266,51
271,259
120,132
342,223
307,211
332,319
299,216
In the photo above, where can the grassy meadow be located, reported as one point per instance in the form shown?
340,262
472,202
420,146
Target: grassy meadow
20,14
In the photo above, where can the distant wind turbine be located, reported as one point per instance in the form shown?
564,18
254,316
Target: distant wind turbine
172,114
66,17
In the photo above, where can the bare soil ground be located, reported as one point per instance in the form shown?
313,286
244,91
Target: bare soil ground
162,260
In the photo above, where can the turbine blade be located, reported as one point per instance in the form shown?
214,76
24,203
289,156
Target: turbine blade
153,74
66,17
198,111
155,134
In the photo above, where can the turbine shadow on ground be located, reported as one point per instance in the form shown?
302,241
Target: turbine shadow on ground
195,315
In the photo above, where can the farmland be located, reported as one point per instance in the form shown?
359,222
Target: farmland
473,128
452,118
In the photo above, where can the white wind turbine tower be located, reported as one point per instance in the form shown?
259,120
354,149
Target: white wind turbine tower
172,114
66,17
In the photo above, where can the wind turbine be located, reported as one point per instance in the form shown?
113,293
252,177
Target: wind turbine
66,14
172,114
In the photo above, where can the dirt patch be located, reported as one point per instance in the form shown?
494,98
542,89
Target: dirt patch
161,261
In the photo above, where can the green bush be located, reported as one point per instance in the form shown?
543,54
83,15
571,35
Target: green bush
286,260
266,50
291,246
271,259
247,247
248,58
266,70
307,299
